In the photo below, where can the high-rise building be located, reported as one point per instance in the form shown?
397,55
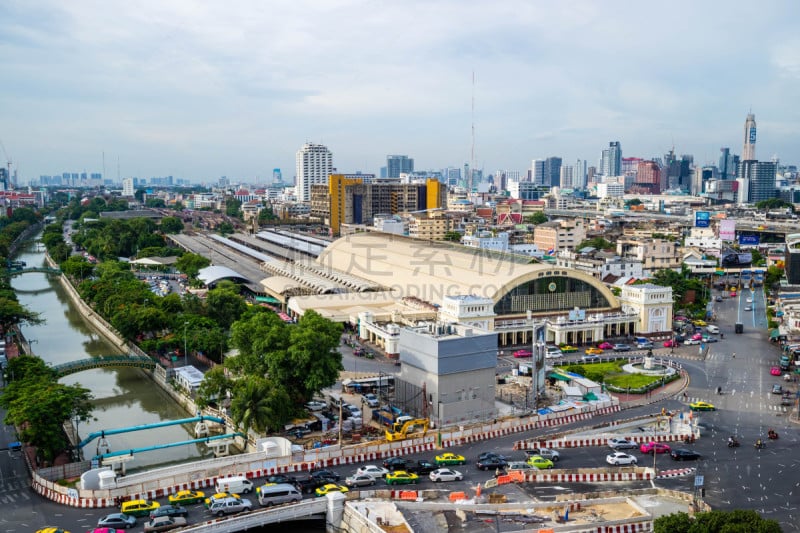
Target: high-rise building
537,171
567,177
398,164
749,149
760,177
277,177
314,163
648,177
727,164
552,171
611,160
127,186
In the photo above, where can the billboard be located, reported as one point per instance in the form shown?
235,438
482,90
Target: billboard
702,219
727,230
732,258
749,240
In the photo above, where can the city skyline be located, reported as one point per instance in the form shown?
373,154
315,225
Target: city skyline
198,91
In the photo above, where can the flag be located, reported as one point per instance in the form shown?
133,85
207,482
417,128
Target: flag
550,251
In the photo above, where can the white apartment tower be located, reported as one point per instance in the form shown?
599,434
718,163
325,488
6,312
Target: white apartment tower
314,163
127,186
749,148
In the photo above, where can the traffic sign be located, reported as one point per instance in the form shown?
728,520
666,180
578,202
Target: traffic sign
698,481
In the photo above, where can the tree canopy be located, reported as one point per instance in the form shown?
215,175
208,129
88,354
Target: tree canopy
738,521
537,218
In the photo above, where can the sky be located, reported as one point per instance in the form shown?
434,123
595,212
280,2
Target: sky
201,89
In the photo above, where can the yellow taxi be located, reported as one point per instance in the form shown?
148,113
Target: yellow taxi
450,459
185,497
401,477
593,351
329,488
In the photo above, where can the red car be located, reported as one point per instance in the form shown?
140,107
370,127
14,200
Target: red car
654,447
670,343
523,353
775,371
605,346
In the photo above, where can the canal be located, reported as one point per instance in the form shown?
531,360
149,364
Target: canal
122,397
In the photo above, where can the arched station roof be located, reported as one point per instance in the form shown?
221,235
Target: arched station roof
430,270
212,274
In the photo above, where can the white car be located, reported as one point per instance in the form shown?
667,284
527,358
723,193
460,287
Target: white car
749,300
372,470
622,444
316,406
445,474
553,353
690,342
620,458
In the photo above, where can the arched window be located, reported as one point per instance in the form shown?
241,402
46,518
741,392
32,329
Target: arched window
554,293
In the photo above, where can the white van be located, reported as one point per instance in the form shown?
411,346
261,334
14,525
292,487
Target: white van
234,485
711,328
269,495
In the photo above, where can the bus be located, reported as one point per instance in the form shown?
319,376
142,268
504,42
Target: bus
758,277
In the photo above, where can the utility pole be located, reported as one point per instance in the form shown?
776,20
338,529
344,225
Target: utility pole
341,403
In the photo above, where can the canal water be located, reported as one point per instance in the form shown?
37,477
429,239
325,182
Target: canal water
124,397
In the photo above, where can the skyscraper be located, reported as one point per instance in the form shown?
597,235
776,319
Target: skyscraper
760,176
648,177
611,160
314,163
537,171
749,149
398,164
552,171
567,177
579,176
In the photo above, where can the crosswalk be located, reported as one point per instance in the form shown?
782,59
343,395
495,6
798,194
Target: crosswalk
770,403
14,493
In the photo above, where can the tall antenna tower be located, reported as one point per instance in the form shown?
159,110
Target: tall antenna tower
472,150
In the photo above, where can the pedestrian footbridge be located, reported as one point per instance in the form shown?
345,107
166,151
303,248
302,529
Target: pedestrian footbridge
16,271
305,510
103,361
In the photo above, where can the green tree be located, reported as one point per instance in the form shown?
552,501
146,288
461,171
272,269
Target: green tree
224,304
267,215
233,207
38,405
738,521
190,264
259,404
13,313
452,236
215,386
597,243
225,228
774,275
537,218
633,202
77,267
313,359
60,252
171,225
139,195
155,202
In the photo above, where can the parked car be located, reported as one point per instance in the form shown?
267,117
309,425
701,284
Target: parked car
316,406
164,523
117,521
775,371
777,389
371,400
655,447
621,444
622,348
682,454
523,353
621,458
445,474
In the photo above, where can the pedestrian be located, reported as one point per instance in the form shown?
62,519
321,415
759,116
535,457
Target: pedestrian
684,396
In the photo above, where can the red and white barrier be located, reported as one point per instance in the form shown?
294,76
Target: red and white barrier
587,477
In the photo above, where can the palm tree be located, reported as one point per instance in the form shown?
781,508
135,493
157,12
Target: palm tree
259,405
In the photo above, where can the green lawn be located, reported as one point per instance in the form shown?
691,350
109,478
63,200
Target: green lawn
634,381
612,367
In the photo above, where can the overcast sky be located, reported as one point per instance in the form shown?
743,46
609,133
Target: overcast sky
200,89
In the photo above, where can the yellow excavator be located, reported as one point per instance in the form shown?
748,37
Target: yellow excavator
401,430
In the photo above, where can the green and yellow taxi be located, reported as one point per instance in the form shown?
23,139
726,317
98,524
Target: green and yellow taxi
401,477
702,406
450,459
139,507
537,461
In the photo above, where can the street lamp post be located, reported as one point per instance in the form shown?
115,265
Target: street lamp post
185,353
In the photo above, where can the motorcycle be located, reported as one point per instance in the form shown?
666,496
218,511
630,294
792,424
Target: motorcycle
772,436
733,444
759,445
